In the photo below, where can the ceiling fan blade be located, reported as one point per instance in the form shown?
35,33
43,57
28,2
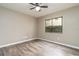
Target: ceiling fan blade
37,4
44,6
32,8
32,4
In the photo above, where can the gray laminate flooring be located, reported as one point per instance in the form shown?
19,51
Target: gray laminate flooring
38,48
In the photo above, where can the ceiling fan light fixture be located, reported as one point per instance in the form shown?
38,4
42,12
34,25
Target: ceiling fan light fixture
37,8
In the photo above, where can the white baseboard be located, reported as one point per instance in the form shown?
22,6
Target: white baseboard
16,42
75,47
71,46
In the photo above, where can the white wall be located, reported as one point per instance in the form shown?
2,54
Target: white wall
70,33
15,26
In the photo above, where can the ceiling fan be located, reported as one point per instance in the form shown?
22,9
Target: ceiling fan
37,6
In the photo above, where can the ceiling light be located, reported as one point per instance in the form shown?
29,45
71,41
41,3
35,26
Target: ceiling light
37,8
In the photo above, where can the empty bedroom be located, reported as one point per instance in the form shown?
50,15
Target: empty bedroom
39,29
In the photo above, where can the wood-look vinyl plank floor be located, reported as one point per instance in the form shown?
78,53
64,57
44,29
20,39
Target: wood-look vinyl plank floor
38,48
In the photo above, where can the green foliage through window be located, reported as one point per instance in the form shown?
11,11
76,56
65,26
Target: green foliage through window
54,25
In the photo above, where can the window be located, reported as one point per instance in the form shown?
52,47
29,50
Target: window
54,25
